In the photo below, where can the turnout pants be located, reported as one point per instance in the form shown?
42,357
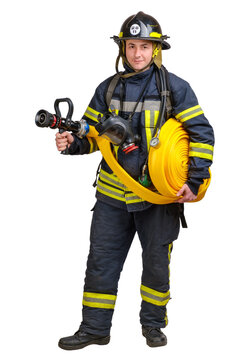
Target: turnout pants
112,232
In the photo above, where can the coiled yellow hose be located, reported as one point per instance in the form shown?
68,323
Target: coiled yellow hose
170,159
168,165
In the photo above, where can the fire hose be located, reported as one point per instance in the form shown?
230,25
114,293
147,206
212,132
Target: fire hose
168,165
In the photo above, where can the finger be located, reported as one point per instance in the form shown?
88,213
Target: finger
61,141
61,147
181,191
58,135
70,138
62,135
187,198
180,201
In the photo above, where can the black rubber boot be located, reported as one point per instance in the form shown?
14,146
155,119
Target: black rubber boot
155,337
81,339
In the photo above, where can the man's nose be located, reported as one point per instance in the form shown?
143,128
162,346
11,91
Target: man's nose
137,52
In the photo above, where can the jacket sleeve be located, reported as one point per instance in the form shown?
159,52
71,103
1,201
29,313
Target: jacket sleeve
187,110
97,106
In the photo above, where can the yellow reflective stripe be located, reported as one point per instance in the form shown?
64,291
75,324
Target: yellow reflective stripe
120,34
111,179
201,150
116,194
109,187
169,251
134,201
154,297
98,305
201,155
169,259
189,113
147,126
201,146
92,114
94,111
103,301
156,113
100,296
110,191
166,318
132,198
150,122
154,292
154,302
155,34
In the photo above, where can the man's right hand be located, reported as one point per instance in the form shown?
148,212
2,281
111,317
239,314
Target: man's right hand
63,140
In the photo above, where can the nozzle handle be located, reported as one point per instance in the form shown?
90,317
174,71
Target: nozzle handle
70,107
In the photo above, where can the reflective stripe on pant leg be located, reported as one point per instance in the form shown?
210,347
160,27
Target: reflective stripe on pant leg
159,301
103,301
157,227
154,297
154,302
158,298
170,247
112,232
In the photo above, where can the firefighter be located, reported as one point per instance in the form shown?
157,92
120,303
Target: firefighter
119,214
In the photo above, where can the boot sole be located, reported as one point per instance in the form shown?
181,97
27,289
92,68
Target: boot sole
102,341
154,344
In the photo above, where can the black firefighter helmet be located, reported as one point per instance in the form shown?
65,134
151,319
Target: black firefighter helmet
142,26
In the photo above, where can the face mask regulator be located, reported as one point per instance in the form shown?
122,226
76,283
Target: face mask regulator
118,131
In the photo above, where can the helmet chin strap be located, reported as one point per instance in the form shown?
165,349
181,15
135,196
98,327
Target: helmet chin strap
157,55
156,59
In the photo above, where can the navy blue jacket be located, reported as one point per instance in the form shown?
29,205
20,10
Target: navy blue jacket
185,108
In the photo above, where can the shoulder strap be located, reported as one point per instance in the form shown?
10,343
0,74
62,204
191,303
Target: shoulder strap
111,87
169,100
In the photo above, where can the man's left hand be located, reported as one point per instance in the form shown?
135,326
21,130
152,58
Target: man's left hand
186,193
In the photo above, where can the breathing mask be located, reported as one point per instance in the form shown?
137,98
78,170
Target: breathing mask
118,131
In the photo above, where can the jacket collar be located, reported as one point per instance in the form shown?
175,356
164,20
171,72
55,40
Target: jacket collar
139,76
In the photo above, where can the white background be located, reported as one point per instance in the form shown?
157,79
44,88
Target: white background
52,49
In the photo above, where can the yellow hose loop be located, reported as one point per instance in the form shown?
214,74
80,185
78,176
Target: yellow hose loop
170,159
127,180
168,165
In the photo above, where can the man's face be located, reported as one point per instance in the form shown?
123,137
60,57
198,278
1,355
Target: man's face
139,53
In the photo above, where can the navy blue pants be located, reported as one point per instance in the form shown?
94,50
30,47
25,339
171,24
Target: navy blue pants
112,232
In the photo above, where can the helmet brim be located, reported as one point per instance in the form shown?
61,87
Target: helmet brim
165,44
